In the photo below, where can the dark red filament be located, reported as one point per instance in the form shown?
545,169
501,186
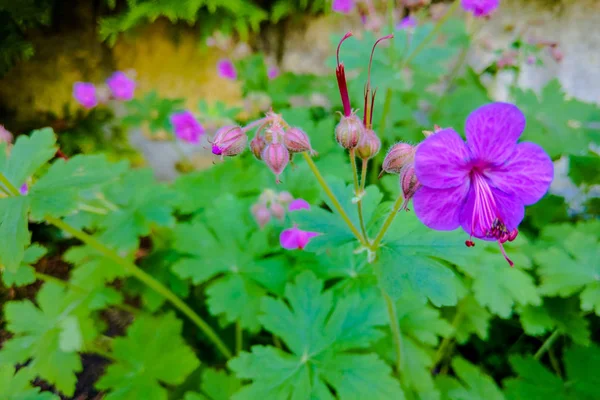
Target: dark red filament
340,74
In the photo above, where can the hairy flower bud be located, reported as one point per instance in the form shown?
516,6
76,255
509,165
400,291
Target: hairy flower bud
397,157
285,197
257,145
408,183
261,214
296,141
369,145
229,141
276,156
349,131
277,210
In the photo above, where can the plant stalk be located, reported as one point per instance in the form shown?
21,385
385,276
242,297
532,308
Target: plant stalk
388,222
395,329
358,192
546,345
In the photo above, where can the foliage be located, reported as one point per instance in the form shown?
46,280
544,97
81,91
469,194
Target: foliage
419,316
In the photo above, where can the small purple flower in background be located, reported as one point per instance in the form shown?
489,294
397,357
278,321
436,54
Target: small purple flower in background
226,69
407,23
85,94
121,86
480,8
5,135
485,184
295,239
299,204
24,189
273,72
342,6
186,127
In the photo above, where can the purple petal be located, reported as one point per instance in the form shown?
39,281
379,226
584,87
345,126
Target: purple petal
441,160
480,8
299,204
273,72
439,209
342,6
304,237
492,131
121,86
407,23
226,69
289,238
24,189
509,209
527,174
186,127
85,94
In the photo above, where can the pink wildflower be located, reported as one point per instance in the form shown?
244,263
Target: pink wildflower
85,94
295,239
226,69
482,185
480,8
299,204
186,127
407,23
121,86
342,6
273,72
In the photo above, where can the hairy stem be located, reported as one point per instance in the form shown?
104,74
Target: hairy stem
546,345
388,222
432,34
334,200
145,278
358,192
395,329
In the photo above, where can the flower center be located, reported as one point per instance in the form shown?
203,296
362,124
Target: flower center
486,219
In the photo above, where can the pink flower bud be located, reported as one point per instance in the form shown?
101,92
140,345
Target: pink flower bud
369,145
408,183
285,197
261,214
296,140
397,157
276,156
277,210
5,135
24,189
556,54
299,204
226,69
295,239
349,131
257,145
229,141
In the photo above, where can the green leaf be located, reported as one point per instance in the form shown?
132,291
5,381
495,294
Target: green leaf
216,385
585,170
14,231
581,364
320,336
42,335
16,386
59,191
474,319
151,353
572,268
233,257
25,274
474,384
27,155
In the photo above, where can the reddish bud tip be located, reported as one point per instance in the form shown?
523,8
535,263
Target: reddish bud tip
349,131
229,141
257,145
469,243
369,145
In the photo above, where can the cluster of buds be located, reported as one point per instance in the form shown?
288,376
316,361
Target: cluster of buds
400,160
275,143
270,205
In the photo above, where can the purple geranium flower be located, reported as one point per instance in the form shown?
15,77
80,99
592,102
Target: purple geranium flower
85,94
480,8
186,127
121,86
273,72
226,69
485,184
408,22
343,6
295,239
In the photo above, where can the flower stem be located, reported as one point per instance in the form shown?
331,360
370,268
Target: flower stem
395,329
546,345
334,200
388,222
145,278
363,175
358,192
239,338
433,32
